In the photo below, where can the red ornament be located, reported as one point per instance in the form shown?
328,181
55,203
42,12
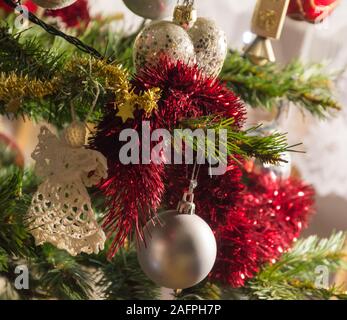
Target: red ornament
134,192
32,7
73,16
311,10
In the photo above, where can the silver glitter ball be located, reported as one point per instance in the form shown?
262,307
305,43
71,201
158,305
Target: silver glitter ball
159,39
210,43
205,44
54,4
179,251
151,9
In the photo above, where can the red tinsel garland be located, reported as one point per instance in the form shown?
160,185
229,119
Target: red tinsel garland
186,93
134,192
266,220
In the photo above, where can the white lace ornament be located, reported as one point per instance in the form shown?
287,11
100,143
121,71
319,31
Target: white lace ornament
61,211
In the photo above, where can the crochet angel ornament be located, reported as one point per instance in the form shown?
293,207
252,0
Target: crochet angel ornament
61,211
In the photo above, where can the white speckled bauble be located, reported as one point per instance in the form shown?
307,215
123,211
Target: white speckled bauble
201,42
210,45
179,251
160,39
54,4
151,9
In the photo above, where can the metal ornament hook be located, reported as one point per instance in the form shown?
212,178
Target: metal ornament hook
187,205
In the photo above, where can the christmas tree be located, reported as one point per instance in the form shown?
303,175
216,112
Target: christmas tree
146,175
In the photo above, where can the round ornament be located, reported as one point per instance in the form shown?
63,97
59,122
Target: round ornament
160,39
311,10
75,134
210,45
178,251
204,43
151,9
54,4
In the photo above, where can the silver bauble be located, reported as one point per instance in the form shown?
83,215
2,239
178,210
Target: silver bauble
151,9
205,44
179,251
159,39
54,4
210,43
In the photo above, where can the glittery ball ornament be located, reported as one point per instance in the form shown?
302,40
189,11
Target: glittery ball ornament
151,9
75,134
312,11
204,44
161,39
210,45
178,251
54,4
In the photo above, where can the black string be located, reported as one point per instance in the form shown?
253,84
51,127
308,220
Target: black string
57,33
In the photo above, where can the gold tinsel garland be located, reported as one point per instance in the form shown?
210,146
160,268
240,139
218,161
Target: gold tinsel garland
116,79
14,89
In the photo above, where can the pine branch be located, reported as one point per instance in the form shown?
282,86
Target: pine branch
123,279
264,86
246,144
13,236
28,58
60,276
74,83
203,291
294,275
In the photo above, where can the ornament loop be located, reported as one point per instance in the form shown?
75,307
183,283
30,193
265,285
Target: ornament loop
187,205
